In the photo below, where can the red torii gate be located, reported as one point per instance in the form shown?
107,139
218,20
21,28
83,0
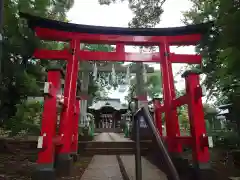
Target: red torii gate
47,29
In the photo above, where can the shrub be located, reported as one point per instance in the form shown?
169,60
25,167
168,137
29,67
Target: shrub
26,120
227,140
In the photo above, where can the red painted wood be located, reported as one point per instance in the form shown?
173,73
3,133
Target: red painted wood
66,123
49,119
185,58
56,35
196,117
180,101
57,140
119,55
51,54
74,146
171,117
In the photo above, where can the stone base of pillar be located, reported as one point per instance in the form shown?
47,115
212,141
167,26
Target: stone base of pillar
181,164
43,173
203,172
74,157
63,164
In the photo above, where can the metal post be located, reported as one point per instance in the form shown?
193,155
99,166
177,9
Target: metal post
173,174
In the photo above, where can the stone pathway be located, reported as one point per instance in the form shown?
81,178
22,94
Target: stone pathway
103,137
106,167
103,168
149,171
119,137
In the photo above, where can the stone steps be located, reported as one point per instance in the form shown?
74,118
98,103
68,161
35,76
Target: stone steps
112,147
112,144
112,151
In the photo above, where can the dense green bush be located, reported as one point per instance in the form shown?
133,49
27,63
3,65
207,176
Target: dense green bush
26,120
226,140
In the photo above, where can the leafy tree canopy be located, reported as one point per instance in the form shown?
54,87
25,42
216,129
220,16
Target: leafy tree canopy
20,74
220,47
147,12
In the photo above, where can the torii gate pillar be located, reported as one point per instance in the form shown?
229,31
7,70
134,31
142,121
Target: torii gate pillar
171,117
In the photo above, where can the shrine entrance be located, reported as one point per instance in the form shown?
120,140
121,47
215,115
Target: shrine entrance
59,145
107,114
107,120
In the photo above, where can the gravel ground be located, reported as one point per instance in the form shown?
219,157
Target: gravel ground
20,167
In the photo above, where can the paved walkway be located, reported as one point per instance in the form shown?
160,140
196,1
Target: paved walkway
103,137
149,171
106,167
110,136
119,137
103,168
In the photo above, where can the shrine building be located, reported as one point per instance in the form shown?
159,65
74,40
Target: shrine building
107,114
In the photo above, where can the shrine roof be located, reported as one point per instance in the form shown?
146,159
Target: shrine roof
35,21
225,106
114,103
223,112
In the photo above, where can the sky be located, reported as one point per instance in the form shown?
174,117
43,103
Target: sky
118,15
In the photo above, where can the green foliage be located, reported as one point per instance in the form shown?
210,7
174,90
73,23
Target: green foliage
147,12
98,47
183,118
27,118
220,47
20,74
229,140
154,84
